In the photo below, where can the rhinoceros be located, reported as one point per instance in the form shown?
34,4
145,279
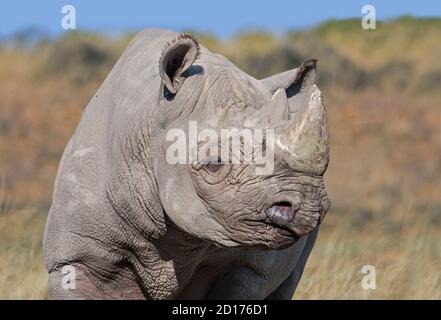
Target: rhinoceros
125,223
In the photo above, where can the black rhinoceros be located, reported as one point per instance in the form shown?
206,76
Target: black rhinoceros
128,223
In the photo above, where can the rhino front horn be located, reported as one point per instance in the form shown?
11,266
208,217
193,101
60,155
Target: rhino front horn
304,144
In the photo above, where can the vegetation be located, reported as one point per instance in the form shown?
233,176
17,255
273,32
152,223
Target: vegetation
382,91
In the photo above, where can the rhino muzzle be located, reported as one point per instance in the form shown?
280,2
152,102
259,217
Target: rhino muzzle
289,216
301,146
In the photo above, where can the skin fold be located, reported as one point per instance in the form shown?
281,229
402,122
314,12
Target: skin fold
135,226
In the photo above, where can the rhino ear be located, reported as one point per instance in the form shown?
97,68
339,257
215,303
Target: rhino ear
293,81
177,56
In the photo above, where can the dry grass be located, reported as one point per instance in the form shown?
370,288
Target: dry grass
407,259
407,262
22,273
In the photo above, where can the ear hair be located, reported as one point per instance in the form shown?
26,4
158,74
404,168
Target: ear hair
293,80
176,57
306,77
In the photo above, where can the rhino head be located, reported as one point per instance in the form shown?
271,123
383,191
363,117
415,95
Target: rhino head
230,202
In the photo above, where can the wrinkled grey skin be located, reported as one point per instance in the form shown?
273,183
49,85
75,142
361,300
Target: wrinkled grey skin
137,227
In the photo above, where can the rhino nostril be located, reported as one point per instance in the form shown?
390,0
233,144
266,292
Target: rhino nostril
284,206
281,212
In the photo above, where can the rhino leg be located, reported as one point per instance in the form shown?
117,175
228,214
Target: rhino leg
84,285
241,283
287,288
257,281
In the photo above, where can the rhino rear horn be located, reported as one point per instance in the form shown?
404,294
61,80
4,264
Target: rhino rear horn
278,109
177,56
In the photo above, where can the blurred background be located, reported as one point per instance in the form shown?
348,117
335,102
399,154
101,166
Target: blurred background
381,89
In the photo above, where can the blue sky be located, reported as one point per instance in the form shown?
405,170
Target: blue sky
221,17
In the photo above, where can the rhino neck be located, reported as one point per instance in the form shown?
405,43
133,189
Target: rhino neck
131,186
163,262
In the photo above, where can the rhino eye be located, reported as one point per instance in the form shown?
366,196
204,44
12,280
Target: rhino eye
214,165
215,171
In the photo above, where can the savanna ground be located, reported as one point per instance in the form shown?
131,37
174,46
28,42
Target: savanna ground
382,90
